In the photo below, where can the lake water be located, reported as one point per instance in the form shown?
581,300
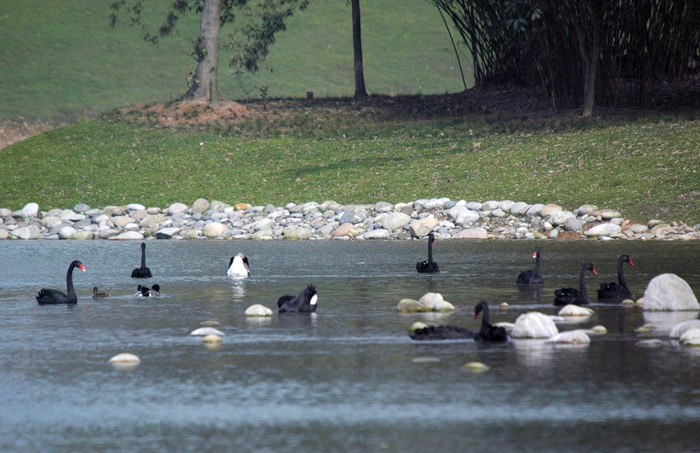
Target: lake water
347,378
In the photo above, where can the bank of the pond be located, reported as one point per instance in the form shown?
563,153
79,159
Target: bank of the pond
445,218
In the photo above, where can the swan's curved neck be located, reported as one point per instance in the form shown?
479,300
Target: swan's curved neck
69,280
582,285
620,275
486,319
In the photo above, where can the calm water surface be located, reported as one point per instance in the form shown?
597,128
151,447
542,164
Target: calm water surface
347,378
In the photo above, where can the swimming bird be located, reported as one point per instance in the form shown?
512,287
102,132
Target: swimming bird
143,271
145,291
488,333
96,294
53,296
611,292
566,296
532,276
238,266
305,302
430,266
534,325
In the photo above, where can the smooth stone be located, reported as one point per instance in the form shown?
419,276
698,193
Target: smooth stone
214,229
553,234
263,224
125,357
4,234
519,208
383,206
570,337
604,229
262,234
535,210
241,206
139,215
204,331
586,209
200,205
344,230
81,208
474,205
435,302
4,212
50,221
505,205
423,227
669,292
112,211
377,234
534,325
212,339
167,233
573,225
122,220
296,233
135,207
66,232
153,219
410,306
395,220
28,232
176,208
548,209
257,310
30,210
609,214
637,228
498,212
107,233
127,236
560,217
490,205
575,310
473,233
83,235
462,215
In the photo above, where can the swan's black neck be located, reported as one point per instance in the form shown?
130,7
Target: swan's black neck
620,275
583,292
486,319
69,280
430,250
537,264
143,255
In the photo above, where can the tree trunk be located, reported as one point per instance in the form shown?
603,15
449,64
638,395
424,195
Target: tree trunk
592,70
360,90
205,85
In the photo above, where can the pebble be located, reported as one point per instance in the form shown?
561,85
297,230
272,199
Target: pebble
447,219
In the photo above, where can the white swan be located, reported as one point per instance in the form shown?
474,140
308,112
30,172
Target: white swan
534,325
238,266
683,327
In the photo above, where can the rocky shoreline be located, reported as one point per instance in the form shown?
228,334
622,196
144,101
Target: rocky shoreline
446,218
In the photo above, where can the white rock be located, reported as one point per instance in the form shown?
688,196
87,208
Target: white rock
534,210
534,325
472,233
28,232
214,229
30,210
135,207
669,292
560,217
490,205
204,331
604,229
177,207
519,208
258,310
380,233
547,210
66,232
575,310
435,302
125,357
127,236
570,337
395,220
423,227
461,215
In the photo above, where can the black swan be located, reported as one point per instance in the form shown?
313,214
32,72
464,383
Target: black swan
430,266
143,271
566,296
612,292
238,266
145,291
96,294
305,302
53,296
532,277
488,333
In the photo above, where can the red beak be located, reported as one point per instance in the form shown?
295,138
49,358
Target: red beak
631,263
534,255
476,315
82,268
595,271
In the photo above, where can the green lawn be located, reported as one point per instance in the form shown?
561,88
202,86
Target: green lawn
60,60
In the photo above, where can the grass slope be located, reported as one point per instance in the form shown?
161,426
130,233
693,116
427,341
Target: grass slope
647,168
61,60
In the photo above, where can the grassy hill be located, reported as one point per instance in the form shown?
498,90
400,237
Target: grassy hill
61,60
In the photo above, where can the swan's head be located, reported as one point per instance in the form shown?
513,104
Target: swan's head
94,290
481,306
590,267
431,238
627,259
156,287
536,253
143,246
